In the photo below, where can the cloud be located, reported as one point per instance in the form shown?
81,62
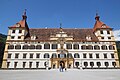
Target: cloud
117,34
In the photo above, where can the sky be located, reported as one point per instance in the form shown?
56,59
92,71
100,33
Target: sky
50,13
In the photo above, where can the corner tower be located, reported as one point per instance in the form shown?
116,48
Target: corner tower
16,34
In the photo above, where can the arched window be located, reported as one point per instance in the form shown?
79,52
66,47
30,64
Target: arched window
106,64
104,47
76,55
62,55
91,64
85,64
111,47
83,47
10,46
76,46
54,55
54,46
69,55
25,46
46,55
69,46
77,64
90,47
96,47
38,47
98,64
46,46
32,47
114,64
18,47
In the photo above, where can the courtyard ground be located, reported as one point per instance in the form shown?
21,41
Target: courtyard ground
72,74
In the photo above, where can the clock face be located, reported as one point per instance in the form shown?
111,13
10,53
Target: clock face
17,25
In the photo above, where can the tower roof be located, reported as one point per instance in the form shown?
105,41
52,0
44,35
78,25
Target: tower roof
99,24
22,23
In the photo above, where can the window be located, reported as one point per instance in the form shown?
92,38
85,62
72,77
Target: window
77,64
61,55
12,37
54,46
38,55
38,47
98,64
90,47
31,55
10,46
69,46
9,55
83,47
105,55
46,55
97,55
46,46
101,32
37,64
25,46
16,55
8,64
114,64
76,46
76,55
54,55
69,55
24,63
102,37
109,37
104,47
112,55
32,47
13,31
19,37
90,56
20,31
18,47
84,55
15,64
96,47
111,47
30,64
85,64
91,64
108,32
24,55
106,64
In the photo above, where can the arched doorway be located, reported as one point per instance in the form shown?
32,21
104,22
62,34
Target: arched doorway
62,64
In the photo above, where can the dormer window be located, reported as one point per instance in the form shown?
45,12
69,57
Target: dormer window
88,38
33,37
17,25
103,26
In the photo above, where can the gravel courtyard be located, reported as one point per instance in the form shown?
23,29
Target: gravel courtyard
73,74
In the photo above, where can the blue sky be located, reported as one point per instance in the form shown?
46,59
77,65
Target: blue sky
50,13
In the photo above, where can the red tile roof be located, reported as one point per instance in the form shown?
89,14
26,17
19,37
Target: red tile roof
78,34
99,24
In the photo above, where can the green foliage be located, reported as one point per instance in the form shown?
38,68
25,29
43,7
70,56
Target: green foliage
2,46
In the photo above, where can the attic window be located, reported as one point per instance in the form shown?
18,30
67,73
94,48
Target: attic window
88,38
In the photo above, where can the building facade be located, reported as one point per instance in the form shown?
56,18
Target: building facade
49,47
